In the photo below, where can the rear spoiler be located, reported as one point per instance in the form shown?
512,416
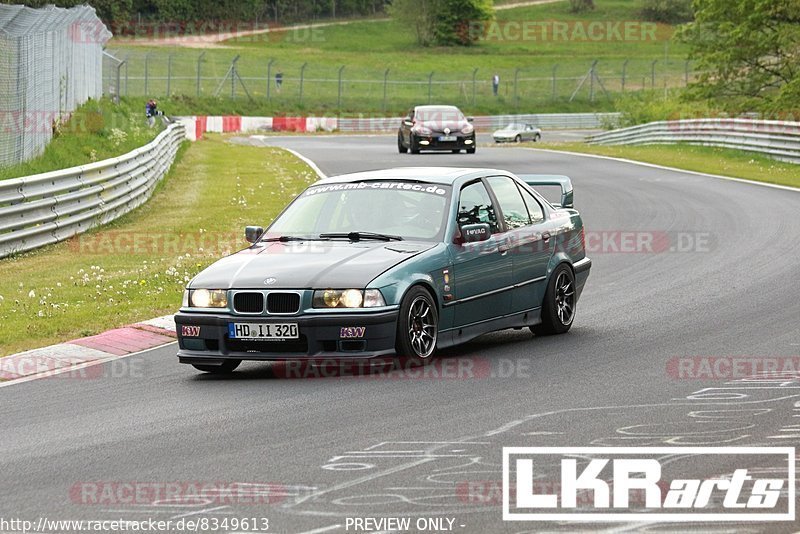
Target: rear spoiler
551,179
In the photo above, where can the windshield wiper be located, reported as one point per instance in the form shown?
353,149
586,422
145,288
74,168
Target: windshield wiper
357,236
285,238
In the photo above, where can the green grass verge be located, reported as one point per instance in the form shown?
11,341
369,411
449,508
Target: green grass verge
366,49
98,130
136,268
725,162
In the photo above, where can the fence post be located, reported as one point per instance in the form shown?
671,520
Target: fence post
302,75
516,95
116,96
199,61
126,75
653,74
474,75
169,74
233,77
592,75
269,77
385,82
339,99
555,69
624,73
147,74
430,84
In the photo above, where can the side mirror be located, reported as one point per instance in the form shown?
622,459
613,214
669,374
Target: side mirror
473,233
470,119
407,122
252,233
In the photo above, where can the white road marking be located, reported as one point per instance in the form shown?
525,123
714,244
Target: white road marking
307,161
664,168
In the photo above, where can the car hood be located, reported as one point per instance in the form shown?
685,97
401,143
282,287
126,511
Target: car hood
306,265
505,133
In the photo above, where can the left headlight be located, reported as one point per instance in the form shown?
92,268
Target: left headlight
208,298
348,298
468,129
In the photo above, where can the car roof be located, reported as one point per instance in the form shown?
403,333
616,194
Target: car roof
436,106
434,175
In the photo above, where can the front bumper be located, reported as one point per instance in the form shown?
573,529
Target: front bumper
431,142
206,340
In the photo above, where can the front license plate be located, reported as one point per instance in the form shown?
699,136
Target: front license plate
265,331
447,138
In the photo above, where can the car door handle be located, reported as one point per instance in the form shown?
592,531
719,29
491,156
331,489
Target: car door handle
546,237
503,248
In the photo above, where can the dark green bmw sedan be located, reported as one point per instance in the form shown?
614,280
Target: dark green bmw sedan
402,261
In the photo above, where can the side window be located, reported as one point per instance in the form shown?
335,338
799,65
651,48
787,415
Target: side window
534,208
475,206
515,213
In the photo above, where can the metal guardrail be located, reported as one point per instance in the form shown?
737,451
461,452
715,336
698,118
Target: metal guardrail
51,207
555,121
776,139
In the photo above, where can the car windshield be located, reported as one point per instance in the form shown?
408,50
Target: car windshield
410,210
439,114
514,126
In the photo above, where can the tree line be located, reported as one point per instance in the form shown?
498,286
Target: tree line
184,11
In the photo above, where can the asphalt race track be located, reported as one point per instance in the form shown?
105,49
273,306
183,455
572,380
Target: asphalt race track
684,267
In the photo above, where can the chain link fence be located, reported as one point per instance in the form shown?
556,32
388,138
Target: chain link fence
50,63
316,85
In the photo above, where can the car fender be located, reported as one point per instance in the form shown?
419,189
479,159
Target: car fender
557,259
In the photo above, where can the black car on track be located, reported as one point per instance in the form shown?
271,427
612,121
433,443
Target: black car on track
441,128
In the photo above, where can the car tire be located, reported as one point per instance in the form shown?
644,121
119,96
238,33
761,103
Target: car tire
417,325
400,146
412,144
470,150
518,139
537,138
227,367
558,307
456,151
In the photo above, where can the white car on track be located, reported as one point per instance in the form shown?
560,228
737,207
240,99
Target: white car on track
517,132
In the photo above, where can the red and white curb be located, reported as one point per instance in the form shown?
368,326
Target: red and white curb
81,353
